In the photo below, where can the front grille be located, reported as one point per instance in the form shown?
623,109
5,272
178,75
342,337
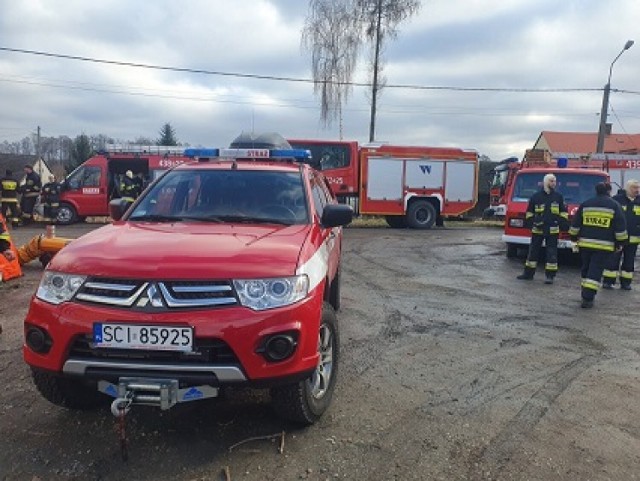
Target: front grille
157,296
205,351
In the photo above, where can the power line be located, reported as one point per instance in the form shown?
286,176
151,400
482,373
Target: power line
298,79
479,112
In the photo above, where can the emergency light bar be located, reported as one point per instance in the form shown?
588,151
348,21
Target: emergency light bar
297,154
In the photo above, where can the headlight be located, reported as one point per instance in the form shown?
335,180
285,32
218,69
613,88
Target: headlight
516,222
56,287
260,294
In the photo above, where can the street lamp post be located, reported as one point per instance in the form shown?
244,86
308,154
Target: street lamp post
605,101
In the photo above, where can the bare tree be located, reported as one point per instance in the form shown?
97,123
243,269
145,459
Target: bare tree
381,19
332,33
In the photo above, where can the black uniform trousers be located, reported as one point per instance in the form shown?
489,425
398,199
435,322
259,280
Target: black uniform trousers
551,265
51,210
627,255
27,204
11,211
593,263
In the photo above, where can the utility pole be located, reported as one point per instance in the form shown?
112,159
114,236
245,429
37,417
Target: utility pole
376,61
605,102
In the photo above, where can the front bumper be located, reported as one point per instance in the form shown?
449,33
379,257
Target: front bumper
239,329
522,240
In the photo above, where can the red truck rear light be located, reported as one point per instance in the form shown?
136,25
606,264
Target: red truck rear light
516,222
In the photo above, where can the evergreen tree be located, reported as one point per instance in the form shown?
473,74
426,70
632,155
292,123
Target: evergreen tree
167,135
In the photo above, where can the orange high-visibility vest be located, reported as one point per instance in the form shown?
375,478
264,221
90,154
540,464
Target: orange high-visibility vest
9,269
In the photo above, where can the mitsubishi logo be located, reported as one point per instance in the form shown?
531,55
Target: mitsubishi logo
152,295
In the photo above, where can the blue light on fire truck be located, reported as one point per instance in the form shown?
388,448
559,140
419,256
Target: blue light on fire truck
298,154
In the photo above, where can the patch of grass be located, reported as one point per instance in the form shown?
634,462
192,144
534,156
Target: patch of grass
376,221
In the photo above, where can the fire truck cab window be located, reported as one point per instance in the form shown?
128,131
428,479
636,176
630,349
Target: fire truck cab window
85,176
325,157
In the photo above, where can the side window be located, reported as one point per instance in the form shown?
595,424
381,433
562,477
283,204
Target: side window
319,197
91,177
86,176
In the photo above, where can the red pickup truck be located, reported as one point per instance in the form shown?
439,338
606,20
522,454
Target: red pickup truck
226,271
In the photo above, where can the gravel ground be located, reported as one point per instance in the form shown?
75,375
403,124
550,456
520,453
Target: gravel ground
450,370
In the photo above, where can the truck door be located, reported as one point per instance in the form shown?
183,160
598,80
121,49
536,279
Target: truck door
86,191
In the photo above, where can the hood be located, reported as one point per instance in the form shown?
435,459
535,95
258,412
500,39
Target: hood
165,251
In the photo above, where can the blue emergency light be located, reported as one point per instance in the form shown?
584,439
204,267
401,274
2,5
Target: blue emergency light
254,154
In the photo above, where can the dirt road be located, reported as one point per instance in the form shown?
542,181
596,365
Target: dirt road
450,370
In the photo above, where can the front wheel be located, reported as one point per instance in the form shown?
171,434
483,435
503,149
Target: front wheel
512,250
67,214
68,393
306,401
421,215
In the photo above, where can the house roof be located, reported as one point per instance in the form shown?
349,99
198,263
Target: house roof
16,162
586,142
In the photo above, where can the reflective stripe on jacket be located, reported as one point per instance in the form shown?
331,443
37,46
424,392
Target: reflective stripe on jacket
547,213
631,209
599,224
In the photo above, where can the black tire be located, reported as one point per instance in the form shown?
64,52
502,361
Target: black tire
67,214
334,292
396,221
306,401
68,393
421,215
512,250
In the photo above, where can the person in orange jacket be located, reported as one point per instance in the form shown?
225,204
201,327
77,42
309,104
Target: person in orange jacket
9,263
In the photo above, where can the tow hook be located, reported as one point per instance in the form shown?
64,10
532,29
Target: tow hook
162,393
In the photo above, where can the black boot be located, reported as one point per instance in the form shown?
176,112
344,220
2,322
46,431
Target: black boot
548,280
625,287
527,275
587,303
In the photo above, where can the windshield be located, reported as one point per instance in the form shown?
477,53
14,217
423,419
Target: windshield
324,157
225,196
500,175
575,188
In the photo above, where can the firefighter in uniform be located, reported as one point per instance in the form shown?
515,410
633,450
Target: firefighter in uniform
629,200
51,199
10,207
128,187
546,216
30,193
599,227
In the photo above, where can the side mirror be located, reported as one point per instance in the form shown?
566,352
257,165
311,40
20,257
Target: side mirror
334,215
117,208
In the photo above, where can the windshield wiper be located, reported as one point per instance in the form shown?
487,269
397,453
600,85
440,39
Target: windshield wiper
155,218
252,220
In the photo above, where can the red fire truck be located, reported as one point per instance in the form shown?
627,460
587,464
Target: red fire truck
410,186
89,188
576,178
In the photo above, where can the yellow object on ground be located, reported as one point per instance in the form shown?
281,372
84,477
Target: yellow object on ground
40,245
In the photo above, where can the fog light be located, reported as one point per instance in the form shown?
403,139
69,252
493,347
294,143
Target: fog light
279,347
516,222
38,340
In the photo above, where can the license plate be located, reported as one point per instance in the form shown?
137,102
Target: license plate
134,336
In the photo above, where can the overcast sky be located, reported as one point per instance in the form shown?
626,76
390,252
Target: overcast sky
450,43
